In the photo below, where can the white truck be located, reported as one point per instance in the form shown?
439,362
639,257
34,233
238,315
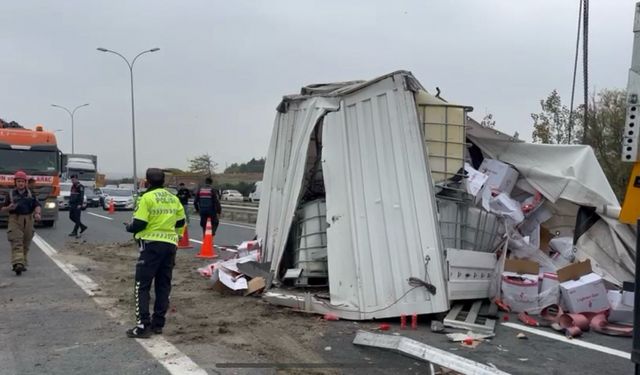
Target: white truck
83,165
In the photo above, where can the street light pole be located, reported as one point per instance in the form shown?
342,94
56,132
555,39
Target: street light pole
71,113
133,110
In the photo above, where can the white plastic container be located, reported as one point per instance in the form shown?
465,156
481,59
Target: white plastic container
311,241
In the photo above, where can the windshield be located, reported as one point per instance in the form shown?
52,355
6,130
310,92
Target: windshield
118,193
65,187
83,175
35,162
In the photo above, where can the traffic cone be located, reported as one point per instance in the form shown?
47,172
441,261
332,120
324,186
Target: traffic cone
184,242
112,207
207,251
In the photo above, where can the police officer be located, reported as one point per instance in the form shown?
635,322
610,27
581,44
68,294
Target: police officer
23,207
207,204
184,194
76,200
157,220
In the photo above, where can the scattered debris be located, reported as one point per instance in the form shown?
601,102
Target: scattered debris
522,336
330,317
528,320
437,326
469,319
327,348
384,327
255,285
416,349
457,337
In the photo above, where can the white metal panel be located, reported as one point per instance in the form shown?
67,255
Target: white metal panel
470,273
380,205
284,172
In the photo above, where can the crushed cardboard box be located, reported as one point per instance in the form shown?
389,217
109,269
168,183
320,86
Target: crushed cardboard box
501,176
520,284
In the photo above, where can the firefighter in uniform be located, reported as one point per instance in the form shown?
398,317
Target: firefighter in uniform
157,220
76,200
207,204
23,208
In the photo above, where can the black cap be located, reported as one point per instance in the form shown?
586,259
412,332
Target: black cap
155,176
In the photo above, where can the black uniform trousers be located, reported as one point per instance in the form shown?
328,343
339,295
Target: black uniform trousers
214,221
155,264
74,214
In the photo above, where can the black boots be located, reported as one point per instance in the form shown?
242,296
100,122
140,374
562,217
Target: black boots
19,268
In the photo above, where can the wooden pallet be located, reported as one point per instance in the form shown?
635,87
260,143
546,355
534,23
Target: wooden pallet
465,317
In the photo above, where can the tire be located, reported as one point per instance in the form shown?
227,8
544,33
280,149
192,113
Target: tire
48,223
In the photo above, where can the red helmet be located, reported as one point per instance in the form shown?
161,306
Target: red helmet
20,175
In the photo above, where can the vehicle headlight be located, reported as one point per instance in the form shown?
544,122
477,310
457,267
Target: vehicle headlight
50,205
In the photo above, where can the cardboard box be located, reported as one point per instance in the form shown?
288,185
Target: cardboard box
549,280
619,312
520,284
255,285
581,289
628,293
502,176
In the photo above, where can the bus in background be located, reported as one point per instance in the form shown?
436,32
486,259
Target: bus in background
36,153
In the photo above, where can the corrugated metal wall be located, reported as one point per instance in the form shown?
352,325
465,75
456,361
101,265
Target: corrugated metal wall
380,205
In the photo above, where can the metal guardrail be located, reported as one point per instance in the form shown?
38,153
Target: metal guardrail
234,207
241,213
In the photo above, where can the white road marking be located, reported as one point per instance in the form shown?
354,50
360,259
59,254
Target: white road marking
230,224
176,362
196,241
104,217
83,281
577,342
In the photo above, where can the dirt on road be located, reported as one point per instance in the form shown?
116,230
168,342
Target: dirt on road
208,326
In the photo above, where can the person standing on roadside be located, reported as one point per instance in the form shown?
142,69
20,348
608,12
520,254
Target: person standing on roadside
207,204
23,208
157,220
183,195
31,184
76,200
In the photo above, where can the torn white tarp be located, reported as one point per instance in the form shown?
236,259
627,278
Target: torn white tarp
570,176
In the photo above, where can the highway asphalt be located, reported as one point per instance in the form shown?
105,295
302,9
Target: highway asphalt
49,325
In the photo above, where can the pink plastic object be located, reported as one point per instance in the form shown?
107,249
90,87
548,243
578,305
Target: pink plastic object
329,316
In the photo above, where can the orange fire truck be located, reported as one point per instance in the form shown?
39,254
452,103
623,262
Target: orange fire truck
34,151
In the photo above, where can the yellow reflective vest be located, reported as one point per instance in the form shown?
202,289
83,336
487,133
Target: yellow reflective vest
160,210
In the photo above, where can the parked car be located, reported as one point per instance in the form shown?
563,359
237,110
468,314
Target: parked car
232,195
122,199
93,198
254,196
65,193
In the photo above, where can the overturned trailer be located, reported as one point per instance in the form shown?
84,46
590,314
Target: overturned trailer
357,198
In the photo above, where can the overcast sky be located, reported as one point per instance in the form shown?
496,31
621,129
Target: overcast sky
224,65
